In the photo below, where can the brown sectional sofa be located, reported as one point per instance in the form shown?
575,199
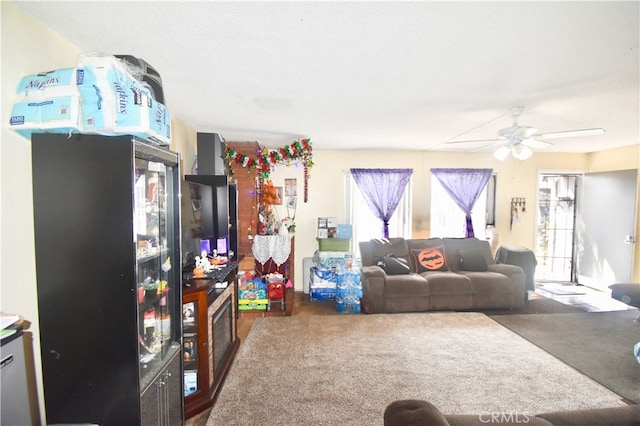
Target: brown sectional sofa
414,275
414,412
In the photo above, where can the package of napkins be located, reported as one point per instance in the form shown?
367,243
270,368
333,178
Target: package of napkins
101,95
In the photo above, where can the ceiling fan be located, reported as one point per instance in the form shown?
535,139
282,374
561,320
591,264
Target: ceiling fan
518,140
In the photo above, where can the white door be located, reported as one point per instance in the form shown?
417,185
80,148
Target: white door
605,227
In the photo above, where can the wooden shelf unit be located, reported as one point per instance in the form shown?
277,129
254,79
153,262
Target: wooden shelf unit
209,304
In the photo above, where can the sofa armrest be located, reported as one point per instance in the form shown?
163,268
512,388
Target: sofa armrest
519,280
611,416
372,271
411,412
373,279
514,272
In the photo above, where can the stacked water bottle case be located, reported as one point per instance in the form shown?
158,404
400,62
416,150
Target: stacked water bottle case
333,276
349,291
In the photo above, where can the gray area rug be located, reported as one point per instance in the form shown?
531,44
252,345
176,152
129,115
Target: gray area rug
537,305
345,369
598,344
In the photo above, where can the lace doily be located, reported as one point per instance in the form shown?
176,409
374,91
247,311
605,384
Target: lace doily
276,247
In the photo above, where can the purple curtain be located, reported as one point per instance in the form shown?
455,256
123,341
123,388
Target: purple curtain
464,186
382,189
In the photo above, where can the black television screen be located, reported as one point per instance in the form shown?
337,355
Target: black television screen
205,215
197,218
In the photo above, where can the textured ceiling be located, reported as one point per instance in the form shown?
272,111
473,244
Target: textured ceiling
377,75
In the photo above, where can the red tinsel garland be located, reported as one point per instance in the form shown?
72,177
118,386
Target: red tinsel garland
298,151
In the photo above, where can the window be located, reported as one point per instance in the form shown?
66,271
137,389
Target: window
365,225
448,220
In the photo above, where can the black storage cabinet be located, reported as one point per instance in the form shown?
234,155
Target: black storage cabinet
87,281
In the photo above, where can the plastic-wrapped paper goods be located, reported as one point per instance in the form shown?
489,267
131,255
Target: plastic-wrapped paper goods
101,95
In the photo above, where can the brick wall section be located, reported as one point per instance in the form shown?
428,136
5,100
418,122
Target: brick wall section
247,204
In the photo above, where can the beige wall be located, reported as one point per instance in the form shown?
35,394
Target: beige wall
28,47
326,188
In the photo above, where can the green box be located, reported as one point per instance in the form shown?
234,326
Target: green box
252,307
334,244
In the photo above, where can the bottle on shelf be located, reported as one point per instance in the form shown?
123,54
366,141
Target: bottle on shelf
150,327
164,320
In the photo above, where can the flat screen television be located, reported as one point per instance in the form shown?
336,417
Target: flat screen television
205,215
196,217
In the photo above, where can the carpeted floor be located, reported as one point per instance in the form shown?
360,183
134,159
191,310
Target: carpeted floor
345,369
598,344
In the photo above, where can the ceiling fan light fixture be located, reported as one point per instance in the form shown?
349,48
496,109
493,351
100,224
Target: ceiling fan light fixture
521,152
502,153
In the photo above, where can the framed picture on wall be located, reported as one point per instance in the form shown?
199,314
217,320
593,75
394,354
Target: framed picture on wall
292,202
279,194
291,188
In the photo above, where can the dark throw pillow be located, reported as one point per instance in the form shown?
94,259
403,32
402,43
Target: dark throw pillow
430,259
394,265
472,261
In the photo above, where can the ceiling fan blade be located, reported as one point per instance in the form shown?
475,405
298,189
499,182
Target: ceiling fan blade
571,133
476,141
536,143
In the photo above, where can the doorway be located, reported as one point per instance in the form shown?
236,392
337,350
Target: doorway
555,227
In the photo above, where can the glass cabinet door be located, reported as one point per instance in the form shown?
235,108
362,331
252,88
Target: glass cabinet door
190,314
154,239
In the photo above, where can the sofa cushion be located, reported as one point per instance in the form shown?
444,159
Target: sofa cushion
488,282
472,260
381,247
421,243
429,259
455,246
448,283
394,265
406,286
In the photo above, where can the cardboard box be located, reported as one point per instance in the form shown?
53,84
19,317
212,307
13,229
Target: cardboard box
318,294
349,292
327,227
255,283
344,231
331,259
255,294
264,301
350,277
323,278
327,222
252,307
348,306
190,382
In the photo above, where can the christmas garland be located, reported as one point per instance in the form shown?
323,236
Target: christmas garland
266,159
